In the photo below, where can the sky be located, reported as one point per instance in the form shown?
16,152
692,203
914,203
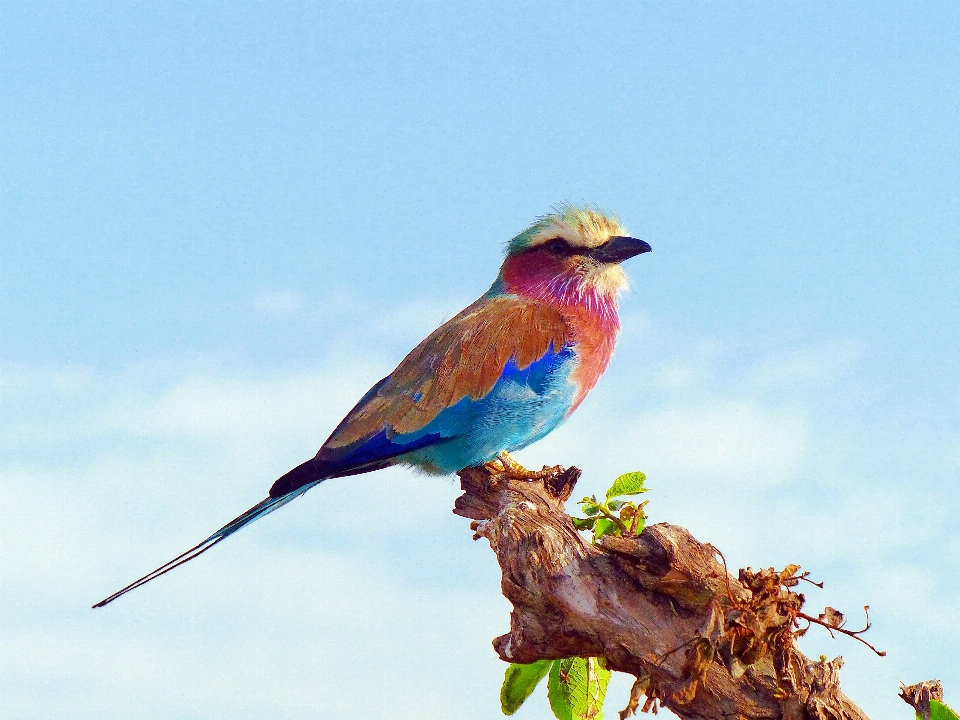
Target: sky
221,223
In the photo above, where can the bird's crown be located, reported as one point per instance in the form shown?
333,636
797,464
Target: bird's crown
585,227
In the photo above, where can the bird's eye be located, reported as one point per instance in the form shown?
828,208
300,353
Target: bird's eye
558,246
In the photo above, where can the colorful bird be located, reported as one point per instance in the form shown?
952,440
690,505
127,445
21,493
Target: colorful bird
497,377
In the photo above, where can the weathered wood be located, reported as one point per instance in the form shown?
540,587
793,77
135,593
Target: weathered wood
659,606
918,696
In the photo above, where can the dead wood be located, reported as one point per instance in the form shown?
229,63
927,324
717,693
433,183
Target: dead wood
659,606
919,696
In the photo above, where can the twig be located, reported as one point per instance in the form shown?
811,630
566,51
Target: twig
852,633
804,577
726,578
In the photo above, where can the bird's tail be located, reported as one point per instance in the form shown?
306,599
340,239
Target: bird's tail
265,507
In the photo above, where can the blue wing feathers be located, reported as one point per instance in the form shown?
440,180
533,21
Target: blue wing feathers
523,406
385,445
521,403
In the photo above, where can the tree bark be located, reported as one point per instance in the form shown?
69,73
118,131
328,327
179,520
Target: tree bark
658,605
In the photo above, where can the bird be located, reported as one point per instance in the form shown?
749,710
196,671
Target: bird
498,376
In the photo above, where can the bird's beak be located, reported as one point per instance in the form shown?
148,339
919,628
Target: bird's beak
619,248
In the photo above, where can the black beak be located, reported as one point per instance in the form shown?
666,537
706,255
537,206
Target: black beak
619,248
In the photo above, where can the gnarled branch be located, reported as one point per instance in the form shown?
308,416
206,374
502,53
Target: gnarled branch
659,606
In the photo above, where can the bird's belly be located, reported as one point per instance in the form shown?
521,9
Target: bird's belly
514,414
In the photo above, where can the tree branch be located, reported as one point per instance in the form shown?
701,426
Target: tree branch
659,606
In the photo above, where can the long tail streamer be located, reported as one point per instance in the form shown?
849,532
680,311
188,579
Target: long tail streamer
255,513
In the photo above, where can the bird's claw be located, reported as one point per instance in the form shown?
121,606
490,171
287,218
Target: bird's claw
515,471
494,467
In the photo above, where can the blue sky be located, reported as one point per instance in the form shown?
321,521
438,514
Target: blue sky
222,222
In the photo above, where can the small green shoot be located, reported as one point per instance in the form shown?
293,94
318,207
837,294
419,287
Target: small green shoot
614,516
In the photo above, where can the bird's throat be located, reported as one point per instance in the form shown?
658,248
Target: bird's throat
589,308
590,293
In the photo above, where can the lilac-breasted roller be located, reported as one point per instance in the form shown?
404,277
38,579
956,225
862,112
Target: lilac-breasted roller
500,375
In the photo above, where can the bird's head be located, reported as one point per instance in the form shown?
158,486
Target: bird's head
572,255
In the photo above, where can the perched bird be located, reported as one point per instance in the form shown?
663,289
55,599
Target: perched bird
500,375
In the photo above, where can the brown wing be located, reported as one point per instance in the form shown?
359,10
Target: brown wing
464,357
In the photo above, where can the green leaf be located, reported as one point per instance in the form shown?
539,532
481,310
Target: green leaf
583,523
629,484
603,527
591,509
616,504
519,681
577,687
939,711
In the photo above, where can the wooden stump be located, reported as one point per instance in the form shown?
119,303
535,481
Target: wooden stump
659,606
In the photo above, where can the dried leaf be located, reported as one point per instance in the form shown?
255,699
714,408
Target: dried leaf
754,652
831,617
787,575
699,657
686,694
640,686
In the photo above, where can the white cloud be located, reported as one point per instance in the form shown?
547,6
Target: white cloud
731,442
675,376
372,577
385,321
809,368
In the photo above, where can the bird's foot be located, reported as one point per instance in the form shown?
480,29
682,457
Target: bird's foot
494,467
515,471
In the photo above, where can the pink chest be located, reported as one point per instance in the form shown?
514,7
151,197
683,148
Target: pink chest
595,336
589,314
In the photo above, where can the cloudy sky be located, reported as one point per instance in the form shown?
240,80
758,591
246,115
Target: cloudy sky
221,223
